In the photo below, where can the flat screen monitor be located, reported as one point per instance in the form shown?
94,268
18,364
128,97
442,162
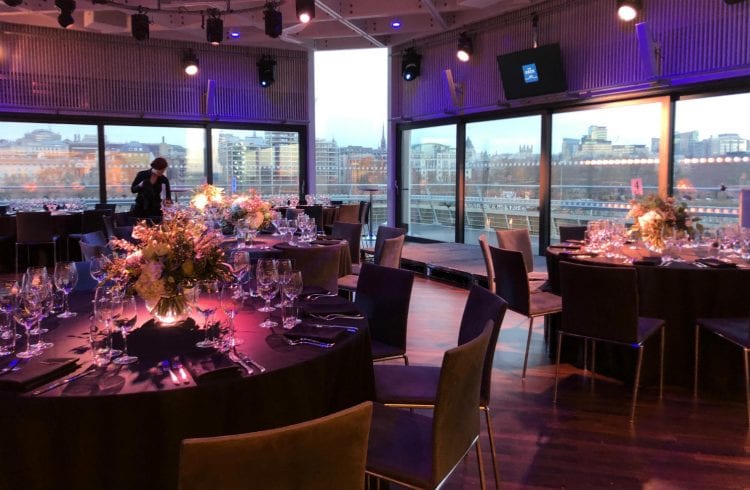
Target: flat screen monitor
531,72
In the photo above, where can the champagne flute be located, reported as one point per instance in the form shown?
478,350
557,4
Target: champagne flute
283,268
126,322
231,302
206,301
66,278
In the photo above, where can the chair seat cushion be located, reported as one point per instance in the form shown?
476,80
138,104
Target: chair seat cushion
356,268
414,385
735,330
543,303
647,327
348,282
400,446
538,276
381,350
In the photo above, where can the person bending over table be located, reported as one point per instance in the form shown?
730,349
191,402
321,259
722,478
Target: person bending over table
148,186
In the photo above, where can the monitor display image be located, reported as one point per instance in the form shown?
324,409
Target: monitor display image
531,72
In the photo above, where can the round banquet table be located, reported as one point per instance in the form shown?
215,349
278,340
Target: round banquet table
679,293
121,427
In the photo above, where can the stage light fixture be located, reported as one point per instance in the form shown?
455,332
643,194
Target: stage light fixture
214,28
139,26
13,3
410,64
465,48
190,62
628,10
66,7
273,20
266,67
305,10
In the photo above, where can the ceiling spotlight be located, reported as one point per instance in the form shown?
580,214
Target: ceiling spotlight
67,7
396,24
305,10
627,10
234,34
272,18
13,3
465,48
410,64
266,68
139,26
190,62
214,28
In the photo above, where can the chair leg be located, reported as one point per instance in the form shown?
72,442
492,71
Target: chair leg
528,343
695,364
487,417
593,362
747,383
661,362
557,364
482,484
406,360
636,382
16,259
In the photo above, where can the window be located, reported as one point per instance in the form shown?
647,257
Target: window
712,155
428,182
48,161
130,149
267,161
598,157
502,177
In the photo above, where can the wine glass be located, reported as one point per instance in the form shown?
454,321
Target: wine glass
266,275
267,291
126,322
46,304
292,289
240,262
275,219
9,291
252,233
107,306
97,268
27,312
231,302
283,269
206,301
240,232
66,278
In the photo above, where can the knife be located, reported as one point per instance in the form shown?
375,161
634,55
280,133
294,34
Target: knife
64,381
167,370
247,359
237,359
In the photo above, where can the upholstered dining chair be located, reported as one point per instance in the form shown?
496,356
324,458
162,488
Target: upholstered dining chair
512,284
416,386
292,213
485,248
109,207
519,240
348,213
418,451
90,250
390,256
736,331
601,304
322,454
352,233
383,295
319,265
572,232
85,281
35,228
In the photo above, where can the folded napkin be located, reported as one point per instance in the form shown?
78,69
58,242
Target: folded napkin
321,241
322,334
716,263
36,372
325,306
648,261
215,366
566,246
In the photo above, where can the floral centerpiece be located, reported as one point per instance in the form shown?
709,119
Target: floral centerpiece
655,216
250,209
207,196
167,260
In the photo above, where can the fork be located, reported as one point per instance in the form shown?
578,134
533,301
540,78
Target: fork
306,341
314,296
337,316
237,360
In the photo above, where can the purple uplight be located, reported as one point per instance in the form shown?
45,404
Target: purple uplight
234,34
396,24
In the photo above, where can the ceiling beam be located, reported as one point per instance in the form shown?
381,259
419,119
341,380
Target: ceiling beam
430,6
335,15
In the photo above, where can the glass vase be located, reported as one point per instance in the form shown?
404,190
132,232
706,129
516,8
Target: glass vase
169,310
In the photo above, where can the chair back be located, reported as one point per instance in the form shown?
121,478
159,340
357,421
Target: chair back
292,213
89,250
34,227
456,419
390,254
352,233
3,210
321,454
511,279
348,213
110,207
94,238
481,307
384,233
520,241
109,225
85,281
383,295
319,265
91,220
599,302
364,212
485,248
573,232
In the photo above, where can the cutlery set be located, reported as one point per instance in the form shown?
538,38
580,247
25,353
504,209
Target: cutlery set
90,369
306,341
244,361
336,316
172,369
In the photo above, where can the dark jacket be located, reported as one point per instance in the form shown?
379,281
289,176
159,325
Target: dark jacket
148,200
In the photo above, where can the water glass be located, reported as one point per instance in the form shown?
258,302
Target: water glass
101,345
7,334
126,322
206,302
66,278
292,289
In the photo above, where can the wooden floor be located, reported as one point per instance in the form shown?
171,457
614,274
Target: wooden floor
585,441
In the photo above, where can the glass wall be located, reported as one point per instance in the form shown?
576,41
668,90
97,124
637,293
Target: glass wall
129,149
48,162
428,182
712,155
599,156
502,177
267,161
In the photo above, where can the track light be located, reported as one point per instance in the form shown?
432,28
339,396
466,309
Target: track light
272,18
305,10
139,25
67,7
13,3
214,28
266,68
465,48
190,62
627,10
410,64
